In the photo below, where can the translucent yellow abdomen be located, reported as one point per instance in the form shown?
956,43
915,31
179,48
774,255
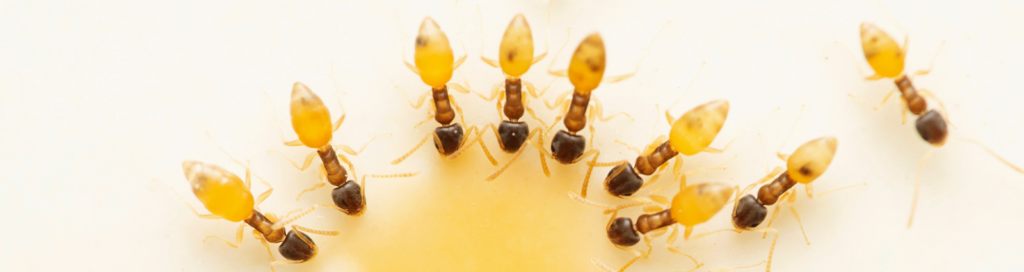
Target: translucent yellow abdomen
586,69
696,204
516,51
811,159
434,57
882,52
220,191
697,128
310,118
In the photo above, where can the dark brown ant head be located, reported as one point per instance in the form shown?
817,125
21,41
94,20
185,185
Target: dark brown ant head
932,127
349,197
625,181
748,213
621,232
567,147
513,135
297,248
447,139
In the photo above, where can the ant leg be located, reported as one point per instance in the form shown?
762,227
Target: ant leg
586,178
238,237
993,153
202,216
495,92
266,194
259,236
407,154
630,148
533,90
672,239
305,163
310,189
280,132
419,101
478,139
797,216
785,157
349,150
462,89
458,110
558,101
930,64
713,150
515,156
337,123
809,195
917,185
599,110
565,72
775,214
401,39
880,104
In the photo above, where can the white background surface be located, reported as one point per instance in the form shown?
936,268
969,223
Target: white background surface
97,99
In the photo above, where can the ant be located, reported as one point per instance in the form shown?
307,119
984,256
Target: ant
515,56
435,64
693,205
228,197
312,123
692,133
886,58
586,72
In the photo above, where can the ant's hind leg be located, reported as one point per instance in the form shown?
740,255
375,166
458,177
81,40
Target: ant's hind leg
590,168
259,236
238,237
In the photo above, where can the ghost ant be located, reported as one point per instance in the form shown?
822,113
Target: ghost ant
228,197
887,58
435,64
312,123
515,56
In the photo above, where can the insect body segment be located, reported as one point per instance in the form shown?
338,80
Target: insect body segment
887,60
435,64
226,196
805,165
434,58
220,191
693,132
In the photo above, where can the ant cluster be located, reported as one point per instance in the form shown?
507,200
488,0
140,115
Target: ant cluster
227,196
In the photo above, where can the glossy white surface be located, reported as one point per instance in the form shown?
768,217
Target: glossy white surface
97,99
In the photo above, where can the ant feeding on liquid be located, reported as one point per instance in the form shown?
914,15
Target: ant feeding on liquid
515,57
312,123
692,133
435,64
586,73
887,58
693,205
228,197
806,164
